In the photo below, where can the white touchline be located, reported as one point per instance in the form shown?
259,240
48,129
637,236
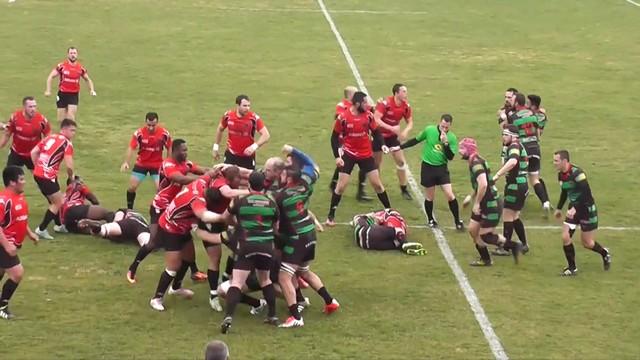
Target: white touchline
303,10
532,227
490,335
633,3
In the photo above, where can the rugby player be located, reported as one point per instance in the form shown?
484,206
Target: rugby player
355,126
74,207
388,114
27,127
515,167
384,230
241,144
533,102
47,157
440,146
150,141
127,226
70,71
256,215
582,211
13,228
485,214
507,110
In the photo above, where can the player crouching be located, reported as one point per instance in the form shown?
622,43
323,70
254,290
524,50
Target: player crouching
384,230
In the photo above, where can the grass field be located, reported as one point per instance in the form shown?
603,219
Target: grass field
188,60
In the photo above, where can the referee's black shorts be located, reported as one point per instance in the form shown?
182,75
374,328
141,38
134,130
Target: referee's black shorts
431,175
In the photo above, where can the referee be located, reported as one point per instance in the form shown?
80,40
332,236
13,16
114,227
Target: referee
439,148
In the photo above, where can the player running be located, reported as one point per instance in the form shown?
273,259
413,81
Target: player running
582,211
355,126
70,71
47,157
485,214
515,165
256,215
13,228
27,127
126,226
388,114
342,106
298,233
440,146
384,230
241,144
175,172
74,208
150,141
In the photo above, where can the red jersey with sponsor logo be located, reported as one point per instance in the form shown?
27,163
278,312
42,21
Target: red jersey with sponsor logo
392,218
392,113
180,216
355,131
75,195
342,106
27,133
150,146
70,74
221,206
242,130
53,149
15,215
167,189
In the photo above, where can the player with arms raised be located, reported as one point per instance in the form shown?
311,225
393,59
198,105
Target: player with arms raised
27,127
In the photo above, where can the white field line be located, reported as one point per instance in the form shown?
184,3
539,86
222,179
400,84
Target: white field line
303,10
490,335
530,227
633,3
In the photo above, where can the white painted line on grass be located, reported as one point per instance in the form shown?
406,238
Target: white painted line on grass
303,10
528,227
490,335
633,3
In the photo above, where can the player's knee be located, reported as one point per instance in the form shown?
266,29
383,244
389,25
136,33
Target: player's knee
401,166
17,273
303,270
223,288
143,239
286,271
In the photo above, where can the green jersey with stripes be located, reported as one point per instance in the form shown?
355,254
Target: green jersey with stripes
518,173
528,125
479,167
257,214
293,202
574,182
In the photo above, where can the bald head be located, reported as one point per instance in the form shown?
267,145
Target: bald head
349,91
273,168
216,350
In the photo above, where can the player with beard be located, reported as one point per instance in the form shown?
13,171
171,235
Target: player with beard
27,127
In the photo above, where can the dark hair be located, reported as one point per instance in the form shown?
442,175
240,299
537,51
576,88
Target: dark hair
358,97
212,196
564,155
521,100
72,48
27,98
151,116
535,100
231,172
239,99
11,173
396,88
447,118
67,123
256,181
513,90
294,171
177,143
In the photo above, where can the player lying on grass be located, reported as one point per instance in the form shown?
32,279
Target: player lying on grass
75,207
384,230
127,226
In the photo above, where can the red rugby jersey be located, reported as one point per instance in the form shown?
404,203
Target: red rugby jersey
53,149
167,189
355,131
150,146
392,113
180,216
27,133
242,130
70,74
15,215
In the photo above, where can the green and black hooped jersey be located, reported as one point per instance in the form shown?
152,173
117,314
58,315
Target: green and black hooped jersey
574,183
528,125
293,201
517,174
542,119
257,214
477,167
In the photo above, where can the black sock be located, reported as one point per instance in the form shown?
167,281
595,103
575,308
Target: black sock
362,178
249,300
453,206
143,252
518,226
193,267
269,294
56,220
48,218
490,238
508,230
335,201
163,284
428,208
233,298
544,189
177,282
131,198
484,253
212,277
336,172
228,269
7,291
384,199
293,311
403,188
299,296
325,295
541,192
599,249
570,254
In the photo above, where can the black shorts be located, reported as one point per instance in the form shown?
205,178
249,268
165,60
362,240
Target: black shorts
252,281
19,160
431,175
73,215
489,215
300,250
65,99
7,261
389,141
215,228
172,242
533,151
131,228
47,187
586,217
253,255
145,171
154,215
375,237
515,196
247,162
366,165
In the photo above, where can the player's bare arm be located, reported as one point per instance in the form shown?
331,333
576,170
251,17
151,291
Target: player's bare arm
482,189
407,129
182,179
35,153
264,138
8,246
5,138
53,74
127,159
208,216
505,169
68,162
89,82
216,144
93,199
377,116
228,192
